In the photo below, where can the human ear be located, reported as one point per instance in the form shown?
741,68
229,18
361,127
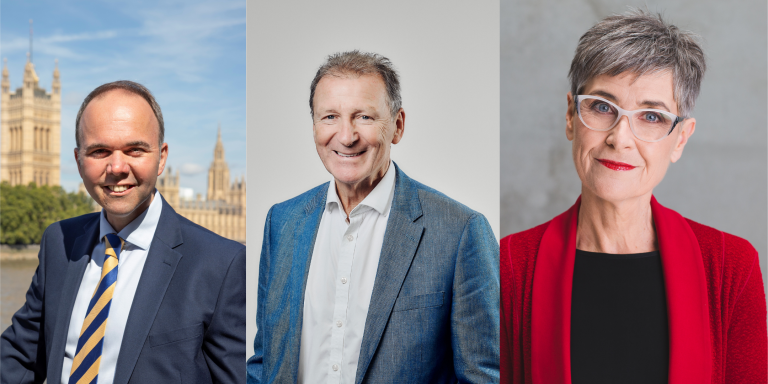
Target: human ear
686,130
569,117
399,126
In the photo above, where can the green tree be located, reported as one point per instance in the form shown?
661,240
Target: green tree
25,211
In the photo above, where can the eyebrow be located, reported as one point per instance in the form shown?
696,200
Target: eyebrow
137,143
646,103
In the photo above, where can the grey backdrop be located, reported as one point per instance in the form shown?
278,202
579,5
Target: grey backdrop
721,178
447,53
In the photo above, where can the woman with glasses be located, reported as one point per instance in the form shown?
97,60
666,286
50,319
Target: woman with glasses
620,289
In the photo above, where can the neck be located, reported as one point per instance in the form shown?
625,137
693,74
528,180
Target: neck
351,195
120,222
615,227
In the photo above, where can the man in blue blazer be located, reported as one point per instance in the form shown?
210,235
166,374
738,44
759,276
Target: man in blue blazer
136,293
373,277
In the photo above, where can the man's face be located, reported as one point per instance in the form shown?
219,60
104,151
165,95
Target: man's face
354,128
120,156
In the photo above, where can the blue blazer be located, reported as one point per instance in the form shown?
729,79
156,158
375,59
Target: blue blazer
434,310
187,320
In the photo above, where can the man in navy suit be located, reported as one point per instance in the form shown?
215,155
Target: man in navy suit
373,277
136,293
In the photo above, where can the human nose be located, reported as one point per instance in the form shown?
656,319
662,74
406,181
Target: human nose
621,136
347,134
118,163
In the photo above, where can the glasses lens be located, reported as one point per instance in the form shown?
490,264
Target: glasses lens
597,114
651,125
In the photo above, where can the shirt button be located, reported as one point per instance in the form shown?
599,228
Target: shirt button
335,367
343,280
350,237
338,324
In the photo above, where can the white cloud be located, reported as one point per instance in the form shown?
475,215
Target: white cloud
191,169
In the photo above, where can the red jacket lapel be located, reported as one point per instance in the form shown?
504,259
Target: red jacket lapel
685,283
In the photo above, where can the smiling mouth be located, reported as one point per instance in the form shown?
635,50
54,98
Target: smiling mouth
615,165
118,189
347,156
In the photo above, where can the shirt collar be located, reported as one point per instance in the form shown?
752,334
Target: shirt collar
379,199
141,230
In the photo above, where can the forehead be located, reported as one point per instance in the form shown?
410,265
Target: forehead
118,112
335,88
632,90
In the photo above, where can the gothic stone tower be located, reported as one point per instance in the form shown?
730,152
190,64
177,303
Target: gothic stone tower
30,126
218,173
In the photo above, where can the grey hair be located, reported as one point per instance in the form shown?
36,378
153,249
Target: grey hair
128,86
641,43
358,64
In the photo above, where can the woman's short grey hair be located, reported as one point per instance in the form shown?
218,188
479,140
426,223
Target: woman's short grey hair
641,43
358,63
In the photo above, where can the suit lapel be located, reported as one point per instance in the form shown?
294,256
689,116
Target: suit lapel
158,270
306,228
79,257
401,240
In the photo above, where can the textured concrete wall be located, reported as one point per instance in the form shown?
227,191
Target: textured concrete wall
720,180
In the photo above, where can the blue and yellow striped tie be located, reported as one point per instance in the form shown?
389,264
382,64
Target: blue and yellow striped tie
85,366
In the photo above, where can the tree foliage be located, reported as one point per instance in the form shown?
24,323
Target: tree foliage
25,211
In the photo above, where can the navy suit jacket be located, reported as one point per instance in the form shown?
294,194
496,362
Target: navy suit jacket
187,320
434,310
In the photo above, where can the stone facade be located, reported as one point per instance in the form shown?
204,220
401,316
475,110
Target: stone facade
223,210
30,125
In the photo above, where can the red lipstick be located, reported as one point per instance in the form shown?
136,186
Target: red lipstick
616,166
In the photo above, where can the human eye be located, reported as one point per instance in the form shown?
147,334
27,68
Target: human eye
601,107
653,117
98,153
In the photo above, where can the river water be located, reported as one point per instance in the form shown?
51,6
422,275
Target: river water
15,277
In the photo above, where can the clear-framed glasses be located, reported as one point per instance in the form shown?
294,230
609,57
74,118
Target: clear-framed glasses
649,125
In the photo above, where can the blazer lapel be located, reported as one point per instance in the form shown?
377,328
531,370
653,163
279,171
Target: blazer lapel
551,303
690,355
306,228
79,257
401,240
158,270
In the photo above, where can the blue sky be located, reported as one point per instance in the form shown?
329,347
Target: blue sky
190,54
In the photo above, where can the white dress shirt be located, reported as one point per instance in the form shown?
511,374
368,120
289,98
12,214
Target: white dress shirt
341,276
138,237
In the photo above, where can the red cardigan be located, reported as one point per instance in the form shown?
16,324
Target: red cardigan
715,301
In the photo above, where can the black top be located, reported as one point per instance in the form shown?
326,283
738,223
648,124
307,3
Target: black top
619,331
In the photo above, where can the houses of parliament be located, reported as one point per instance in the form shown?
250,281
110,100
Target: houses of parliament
30,146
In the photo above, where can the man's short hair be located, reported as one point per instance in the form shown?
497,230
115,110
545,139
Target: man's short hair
128,86
358,63
641,43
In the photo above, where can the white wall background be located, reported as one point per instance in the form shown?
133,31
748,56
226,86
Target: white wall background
447,53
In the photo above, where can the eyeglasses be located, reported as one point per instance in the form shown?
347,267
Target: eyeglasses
649,125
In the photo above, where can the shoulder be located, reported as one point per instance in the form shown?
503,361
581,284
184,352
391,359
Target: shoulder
70,227
729,256
299,204
523,244
435,202
714,243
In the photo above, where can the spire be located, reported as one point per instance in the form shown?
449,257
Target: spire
6,84
56,69
218,151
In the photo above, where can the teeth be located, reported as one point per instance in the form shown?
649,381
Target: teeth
352,155
118,188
